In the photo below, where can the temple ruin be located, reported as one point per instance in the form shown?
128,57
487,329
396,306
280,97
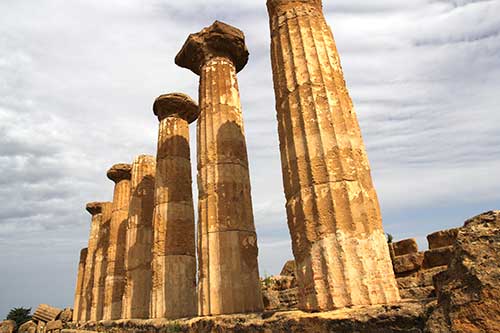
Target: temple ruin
144,259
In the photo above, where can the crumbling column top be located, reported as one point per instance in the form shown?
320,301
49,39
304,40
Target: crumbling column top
120,172
218,40
272,4
83,254
176,105
94,208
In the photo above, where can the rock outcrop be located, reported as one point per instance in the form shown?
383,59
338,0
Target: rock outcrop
468,292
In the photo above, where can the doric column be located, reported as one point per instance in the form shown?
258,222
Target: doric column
333,212
120,174
77,306
174,262
95,209
137,293
100,262
228,280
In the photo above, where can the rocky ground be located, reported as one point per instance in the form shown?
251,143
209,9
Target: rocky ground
406,316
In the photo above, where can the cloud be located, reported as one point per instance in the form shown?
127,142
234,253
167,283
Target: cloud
77,81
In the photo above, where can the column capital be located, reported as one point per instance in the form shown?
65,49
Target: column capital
176,105
94,208
217,40
119,172
275,5
272,4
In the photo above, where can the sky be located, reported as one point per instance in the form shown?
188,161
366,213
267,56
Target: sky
78,80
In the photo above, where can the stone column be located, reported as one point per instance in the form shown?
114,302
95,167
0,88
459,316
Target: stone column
333,212
77,307
228,280
115,270
95,209
100,262
174,262
138,279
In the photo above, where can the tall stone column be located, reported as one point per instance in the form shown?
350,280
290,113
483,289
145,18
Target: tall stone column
100,262
115,268
228,280
333,212
138,279
95,209
174,262
77,306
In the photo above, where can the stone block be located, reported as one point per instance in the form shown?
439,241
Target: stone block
405,246
54,326
442,238
27,327
408,262
418,292
437,257
422,278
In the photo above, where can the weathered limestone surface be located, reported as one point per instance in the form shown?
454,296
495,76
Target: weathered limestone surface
120,174
79,285
173,292
405,317
137,292
468,292
228,280
95,209
333,213
100,261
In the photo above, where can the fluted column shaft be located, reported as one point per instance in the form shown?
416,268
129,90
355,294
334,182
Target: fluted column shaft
333,212
137,293
174,261
228,280
88,277
100,262
115,268
77,306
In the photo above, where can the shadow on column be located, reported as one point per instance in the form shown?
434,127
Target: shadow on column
140,253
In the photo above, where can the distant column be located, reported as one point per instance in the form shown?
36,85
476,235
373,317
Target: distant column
228,280
174,262
100,262
95,209
77,307
115,270
333,213
137,293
